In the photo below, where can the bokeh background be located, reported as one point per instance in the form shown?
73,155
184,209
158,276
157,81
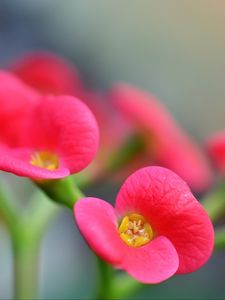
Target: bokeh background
173,48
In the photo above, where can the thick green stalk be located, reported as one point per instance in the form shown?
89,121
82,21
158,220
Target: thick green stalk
124,155
214,202
220,238
8,212
115,285
105,280
26,231
63,191
26,252
26,241
124,286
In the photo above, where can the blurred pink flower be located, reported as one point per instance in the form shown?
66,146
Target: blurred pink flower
216,149
167,144
52,74
48,73
157,228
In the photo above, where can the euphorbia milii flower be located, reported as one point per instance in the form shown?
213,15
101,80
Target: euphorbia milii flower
51,74
60,138
157,228
167,144
216,148
48,73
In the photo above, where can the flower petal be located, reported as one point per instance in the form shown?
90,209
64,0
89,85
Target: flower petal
97,222
168,204
171,145
17,161
65,126
152,263
48,73
16,102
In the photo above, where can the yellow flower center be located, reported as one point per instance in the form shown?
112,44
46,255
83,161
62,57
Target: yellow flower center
44,159
135,231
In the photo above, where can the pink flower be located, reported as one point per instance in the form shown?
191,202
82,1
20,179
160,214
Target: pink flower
216,148
43,137
167,143
48,73
157,228
51,74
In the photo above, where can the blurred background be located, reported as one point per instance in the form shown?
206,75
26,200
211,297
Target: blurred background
173,48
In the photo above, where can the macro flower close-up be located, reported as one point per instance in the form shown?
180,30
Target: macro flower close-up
112,150
157,228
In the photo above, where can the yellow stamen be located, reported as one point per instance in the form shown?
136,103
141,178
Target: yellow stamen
44,159
135,231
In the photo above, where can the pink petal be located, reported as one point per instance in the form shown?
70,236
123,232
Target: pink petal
172,147
65,126
48,73
16,102
17,161
168,204
152,263
97,222
216,148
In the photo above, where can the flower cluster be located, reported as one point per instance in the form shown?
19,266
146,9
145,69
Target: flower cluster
133,111
50,125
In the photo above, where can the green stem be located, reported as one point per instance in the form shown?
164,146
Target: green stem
113,285
124,155
220,238
8,212
105,280
41,213
26,252
214,203
27,242
26,232
124,286
63,191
